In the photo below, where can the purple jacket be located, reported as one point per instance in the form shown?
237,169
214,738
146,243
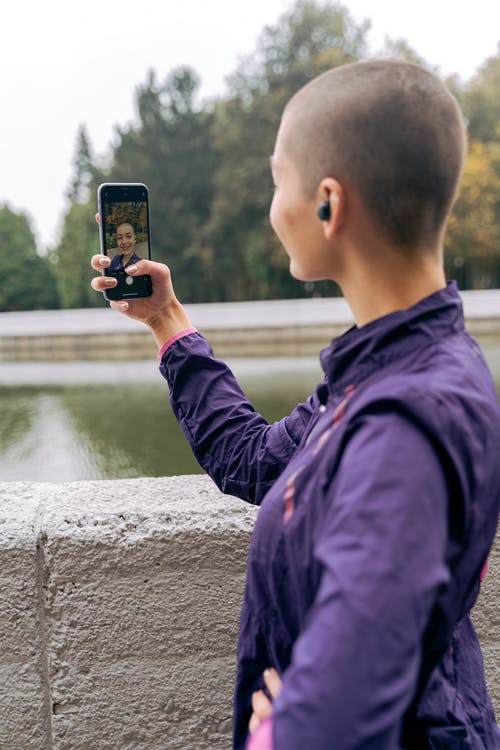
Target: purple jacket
117,262
380,497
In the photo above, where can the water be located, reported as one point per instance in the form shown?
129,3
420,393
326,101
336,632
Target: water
112,420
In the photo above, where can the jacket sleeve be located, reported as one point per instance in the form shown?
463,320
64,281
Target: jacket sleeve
381,550
237,447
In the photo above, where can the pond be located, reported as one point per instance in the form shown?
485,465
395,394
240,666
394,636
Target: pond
112,420
67,421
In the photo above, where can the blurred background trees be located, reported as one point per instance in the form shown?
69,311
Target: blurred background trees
207,167
27,279
473,240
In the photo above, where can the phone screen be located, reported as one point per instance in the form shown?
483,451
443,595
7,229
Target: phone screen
125,236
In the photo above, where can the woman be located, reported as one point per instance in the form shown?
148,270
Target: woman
126,241
380,494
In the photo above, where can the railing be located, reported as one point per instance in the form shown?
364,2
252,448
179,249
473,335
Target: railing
235,329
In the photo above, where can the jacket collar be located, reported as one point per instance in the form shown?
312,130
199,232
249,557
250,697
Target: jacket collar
359,351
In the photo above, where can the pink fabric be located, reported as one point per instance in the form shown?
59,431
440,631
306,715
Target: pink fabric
484,571
173,339
262,738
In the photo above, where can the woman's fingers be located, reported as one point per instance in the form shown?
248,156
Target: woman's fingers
261,705
273,682
160,311
253,723
99,262
101,283
262,709
158,271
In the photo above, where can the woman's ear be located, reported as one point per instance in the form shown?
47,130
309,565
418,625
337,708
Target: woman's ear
331,208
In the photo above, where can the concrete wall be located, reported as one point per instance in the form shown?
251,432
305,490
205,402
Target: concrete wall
118,613
235,329
119,605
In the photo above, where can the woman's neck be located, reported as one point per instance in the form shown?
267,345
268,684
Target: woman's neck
398,283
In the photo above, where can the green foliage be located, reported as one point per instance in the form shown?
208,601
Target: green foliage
472,242
208,167
172,151
238,239
481,101
79,237
85,171
400,49
307,40
27,278
473,230
79,240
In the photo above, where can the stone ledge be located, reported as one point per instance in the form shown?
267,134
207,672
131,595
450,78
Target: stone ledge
119,609
119,613
299,327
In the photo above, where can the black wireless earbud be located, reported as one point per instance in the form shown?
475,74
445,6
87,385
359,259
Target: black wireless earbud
324,211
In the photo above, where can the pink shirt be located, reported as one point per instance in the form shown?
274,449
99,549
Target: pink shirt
262,738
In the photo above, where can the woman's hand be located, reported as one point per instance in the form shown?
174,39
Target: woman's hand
161,312
261,705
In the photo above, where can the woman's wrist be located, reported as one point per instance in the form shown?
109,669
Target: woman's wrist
169,322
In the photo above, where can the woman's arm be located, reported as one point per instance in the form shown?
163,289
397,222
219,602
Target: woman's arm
236,446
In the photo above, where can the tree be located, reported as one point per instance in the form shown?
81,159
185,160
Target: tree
400,49
208,174
472,241
243,258
79,240
27,278
85,171
481,101
171,150
474,228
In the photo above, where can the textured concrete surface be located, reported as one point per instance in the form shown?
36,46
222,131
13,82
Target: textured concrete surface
119,604
486,618
118,613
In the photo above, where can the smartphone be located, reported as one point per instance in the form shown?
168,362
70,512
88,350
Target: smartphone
125,236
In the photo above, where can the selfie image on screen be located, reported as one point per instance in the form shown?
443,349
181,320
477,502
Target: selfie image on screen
126,233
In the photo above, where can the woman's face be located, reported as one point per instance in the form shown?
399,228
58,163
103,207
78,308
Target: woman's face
125,237
294,218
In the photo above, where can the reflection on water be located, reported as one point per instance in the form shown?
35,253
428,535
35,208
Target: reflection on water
113,420
43,444
17,410
121,426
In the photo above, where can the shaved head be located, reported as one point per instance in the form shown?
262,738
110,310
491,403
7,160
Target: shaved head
389,129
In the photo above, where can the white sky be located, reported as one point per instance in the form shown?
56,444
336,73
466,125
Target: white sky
64,63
